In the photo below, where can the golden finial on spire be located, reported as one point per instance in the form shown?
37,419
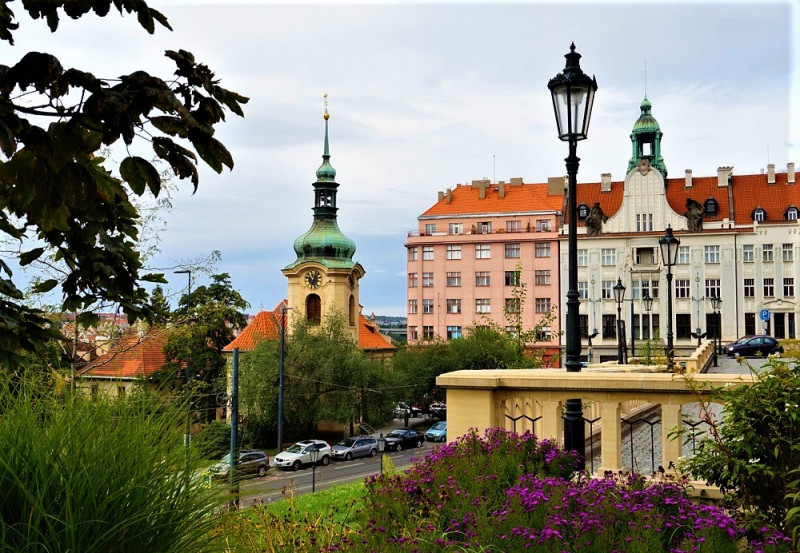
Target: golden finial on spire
326,116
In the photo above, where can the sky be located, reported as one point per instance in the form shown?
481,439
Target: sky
425,96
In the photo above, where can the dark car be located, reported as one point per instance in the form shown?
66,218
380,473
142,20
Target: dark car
754,345
350,448
399,439
250,462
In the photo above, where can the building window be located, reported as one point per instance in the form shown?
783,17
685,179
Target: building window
412,307
543,225
427,280
454,306
512,250
788,287
583,211
485,227
453,332
542,305
644,222
769,287
766,253
683,255
787,252
609,326
453,251
412,253
482,278
791,214
583,290
482,305
711,206
427,253
413,280
513,226
653,289
427,307
456,228
512,331
513,278
749,287
121,392
512,305
583,325
427,333
313,309
542,249
544,334
712,288
430,228
412,333
583,258
609,256
607,290
759,215
682,288
542,277
750,323
482,251
454,279
748,255
683,325
712,254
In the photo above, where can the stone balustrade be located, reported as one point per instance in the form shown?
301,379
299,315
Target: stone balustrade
514,398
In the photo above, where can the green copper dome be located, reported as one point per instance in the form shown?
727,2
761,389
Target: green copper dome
646,122
646,141
324,242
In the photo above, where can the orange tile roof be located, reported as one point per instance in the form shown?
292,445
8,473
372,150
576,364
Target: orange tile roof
702,189
266,325
590,192
369,336
133,356
752,191
465,199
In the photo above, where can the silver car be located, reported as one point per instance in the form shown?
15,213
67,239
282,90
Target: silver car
304,453
361,446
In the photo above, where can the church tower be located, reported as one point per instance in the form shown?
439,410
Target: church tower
324,278
646,141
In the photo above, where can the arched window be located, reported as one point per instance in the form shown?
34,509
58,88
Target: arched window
791,214
583,211
759,214
711,206
352,311
313,309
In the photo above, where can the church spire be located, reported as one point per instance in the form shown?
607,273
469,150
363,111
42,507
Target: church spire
646,140
326,172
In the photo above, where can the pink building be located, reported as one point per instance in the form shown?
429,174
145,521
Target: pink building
464,257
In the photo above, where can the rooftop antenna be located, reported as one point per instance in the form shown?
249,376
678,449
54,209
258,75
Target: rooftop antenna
645,77
494,176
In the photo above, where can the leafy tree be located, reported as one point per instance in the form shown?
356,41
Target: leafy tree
159,307
57,193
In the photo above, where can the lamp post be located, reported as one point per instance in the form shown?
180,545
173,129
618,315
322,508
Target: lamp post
589,358
573,92
187,434
619,297
280,377
381,448
699,335
314,459
669,254
715,305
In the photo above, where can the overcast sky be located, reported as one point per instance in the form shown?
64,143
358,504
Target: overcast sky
423,97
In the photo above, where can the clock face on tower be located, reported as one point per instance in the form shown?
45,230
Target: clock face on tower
313,279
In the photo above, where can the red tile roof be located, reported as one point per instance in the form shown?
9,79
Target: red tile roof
266,325
752,191
133,356
702,189
466,199
370,338
590,192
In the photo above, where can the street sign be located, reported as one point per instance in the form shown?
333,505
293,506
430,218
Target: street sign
764,314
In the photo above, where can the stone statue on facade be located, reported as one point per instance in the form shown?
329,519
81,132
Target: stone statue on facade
595,220
694,215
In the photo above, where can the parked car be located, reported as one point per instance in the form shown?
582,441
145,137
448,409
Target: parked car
250,462
437,432
438,409
401,410
360,446
754,345
301,454
399,438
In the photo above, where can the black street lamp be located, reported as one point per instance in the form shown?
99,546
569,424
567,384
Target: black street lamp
715,305
648,303
314,460
280,377
669,254
619,297
381,448
592,336
573,92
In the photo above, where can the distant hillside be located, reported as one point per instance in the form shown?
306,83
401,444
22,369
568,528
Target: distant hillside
390,322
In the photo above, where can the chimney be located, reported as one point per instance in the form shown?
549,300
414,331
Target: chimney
724,176
516,181
605,182
556,186
771,173
501,189
449,195
688,178
441,195
790,173
481,188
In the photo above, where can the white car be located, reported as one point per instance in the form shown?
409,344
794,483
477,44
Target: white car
304,453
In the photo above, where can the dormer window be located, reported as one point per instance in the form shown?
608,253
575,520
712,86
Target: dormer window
583,211
711,206
791,214
759,214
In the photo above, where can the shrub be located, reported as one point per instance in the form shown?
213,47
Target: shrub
213,441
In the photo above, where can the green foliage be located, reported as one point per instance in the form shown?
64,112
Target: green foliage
213,441
751,455
58,197
98,476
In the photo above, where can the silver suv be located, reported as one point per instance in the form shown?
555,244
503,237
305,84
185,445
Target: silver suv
360,446
304,453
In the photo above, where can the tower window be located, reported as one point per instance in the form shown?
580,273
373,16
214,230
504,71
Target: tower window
352,311
313,309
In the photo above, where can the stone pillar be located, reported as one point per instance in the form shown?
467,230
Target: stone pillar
610,437
671,420
552,422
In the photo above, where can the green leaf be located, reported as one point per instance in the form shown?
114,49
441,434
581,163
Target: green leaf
212,152
27,258
140,173
45,286
172,126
